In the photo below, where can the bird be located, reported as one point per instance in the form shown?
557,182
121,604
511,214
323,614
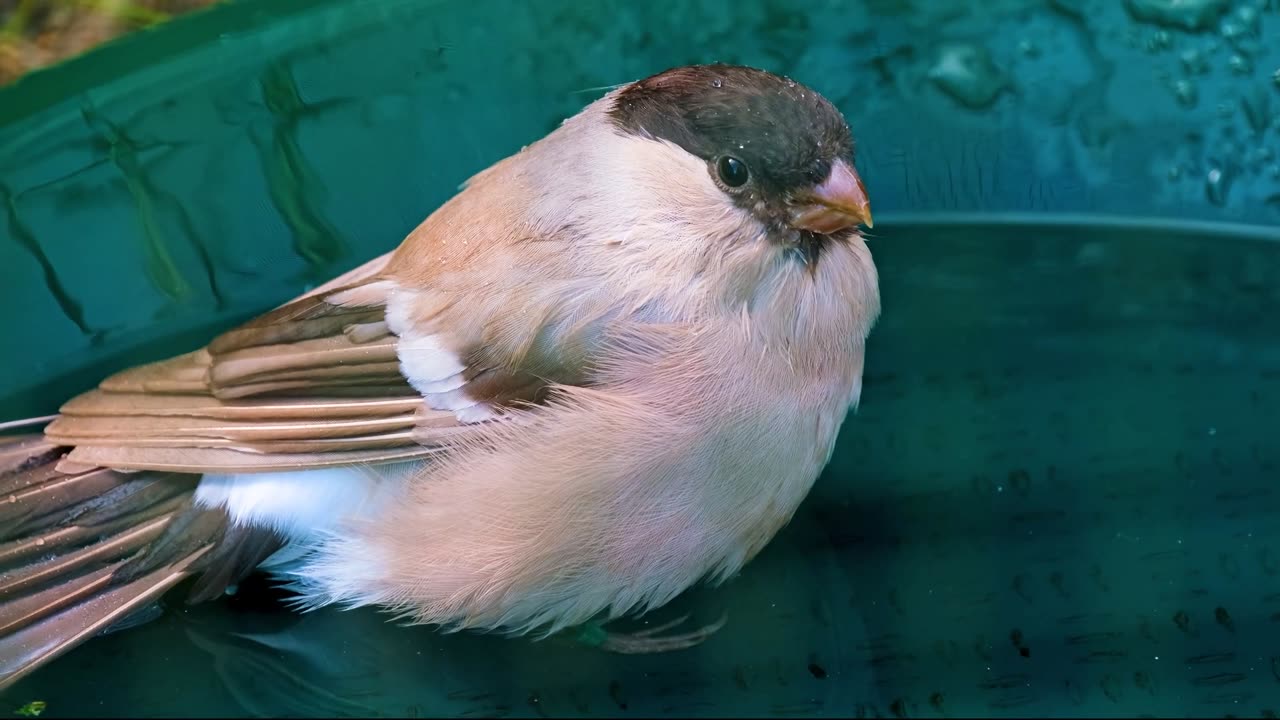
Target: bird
608,369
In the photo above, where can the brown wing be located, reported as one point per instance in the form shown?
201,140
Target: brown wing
82,553
313,383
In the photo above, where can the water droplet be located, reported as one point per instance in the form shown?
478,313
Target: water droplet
717,82
1175,172
1186,93
1194,62
1029,49
967,73
1159,41
1240,65
1216,184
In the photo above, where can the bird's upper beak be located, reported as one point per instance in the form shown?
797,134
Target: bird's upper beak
834,204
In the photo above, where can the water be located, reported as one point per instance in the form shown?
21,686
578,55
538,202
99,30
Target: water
1058,497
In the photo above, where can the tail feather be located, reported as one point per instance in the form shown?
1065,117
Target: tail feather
64,537
132,496
31,647
28,609
39,496
81,552
25,461
25,578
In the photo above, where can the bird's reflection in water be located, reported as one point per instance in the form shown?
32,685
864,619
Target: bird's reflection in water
779,650
284,668
273,661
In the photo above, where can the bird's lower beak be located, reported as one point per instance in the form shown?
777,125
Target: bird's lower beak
835,204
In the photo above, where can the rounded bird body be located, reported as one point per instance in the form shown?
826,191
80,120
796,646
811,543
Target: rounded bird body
610,367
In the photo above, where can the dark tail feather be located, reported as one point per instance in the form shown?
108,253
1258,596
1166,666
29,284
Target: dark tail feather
81,552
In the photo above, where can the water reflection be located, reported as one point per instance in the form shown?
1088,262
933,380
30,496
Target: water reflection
296,189
125,154
22,237
1056,498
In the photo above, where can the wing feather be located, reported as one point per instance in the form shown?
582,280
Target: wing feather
313,383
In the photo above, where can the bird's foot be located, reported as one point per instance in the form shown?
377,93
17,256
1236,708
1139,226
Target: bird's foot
648,641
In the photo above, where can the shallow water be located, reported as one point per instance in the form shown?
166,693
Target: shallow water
1058,497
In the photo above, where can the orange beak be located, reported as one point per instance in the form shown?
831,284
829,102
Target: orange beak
837,203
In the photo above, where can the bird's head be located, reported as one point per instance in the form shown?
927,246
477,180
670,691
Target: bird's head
772,147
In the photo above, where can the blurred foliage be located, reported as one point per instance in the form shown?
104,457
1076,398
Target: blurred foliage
32,709
36,33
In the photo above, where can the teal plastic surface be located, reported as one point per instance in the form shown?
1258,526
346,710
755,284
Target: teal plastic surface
1059,497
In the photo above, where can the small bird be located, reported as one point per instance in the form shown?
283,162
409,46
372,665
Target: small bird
609,368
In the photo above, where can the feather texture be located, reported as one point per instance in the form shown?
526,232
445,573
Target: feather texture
591,379
698,375
83,551
314,383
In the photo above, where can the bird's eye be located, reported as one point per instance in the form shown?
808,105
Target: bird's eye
733,171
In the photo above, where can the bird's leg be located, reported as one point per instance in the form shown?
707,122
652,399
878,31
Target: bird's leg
647,641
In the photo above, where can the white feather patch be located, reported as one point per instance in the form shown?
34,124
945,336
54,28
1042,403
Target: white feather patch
345,570
463,407
430,367
479,412
398,304
425,360
442,386
452,400
305,505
